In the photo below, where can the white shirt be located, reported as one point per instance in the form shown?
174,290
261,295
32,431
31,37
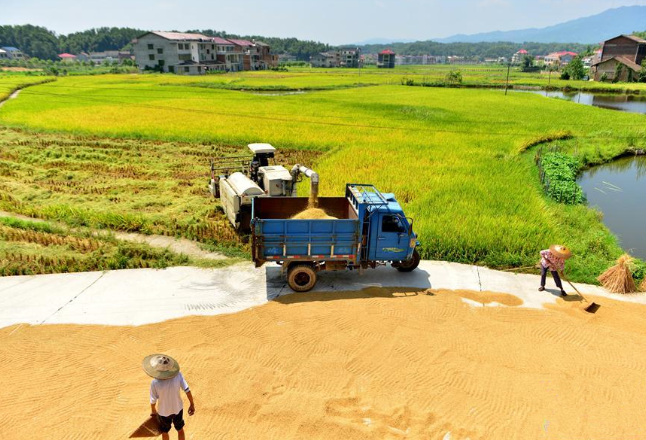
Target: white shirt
167,393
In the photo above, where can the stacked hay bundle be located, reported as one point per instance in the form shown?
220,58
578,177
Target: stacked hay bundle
619,278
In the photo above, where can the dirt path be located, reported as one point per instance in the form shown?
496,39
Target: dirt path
14,95
374,364
177,245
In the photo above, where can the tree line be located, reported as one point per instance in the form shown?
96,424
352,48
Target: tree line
476,51
40,42
45,44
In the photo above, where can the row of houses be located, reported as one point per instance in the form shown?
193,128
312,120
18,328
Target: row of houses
337,58
619,59
11,53
554,59
97,57
196,54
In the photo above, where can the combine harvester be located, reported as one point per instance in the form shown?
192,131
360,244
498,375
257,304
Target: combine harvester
364,229
242,179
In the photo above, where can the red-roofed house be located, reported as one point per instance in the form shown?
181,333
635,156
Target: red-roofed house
386,59
256,54
517,58
562,58
67,57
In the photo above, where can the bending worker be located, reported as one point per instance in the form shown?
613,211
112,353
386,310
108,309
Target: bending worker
553,259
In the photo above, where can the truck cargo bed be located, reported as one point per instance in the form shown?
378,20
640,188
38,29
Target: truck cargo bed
278,237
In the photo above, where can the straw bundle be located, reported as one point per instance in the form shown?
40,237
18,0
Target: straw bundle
619,278
643,286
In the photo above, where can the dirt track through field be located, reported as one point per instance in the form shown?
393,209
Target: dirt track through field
177,245
373,364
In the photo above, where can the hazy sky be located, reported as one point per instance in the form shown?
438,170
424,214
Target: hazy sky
330,21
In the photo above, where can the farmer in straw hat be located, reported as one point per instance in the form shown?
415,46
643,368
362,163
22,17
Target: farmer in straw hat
165,393
553,259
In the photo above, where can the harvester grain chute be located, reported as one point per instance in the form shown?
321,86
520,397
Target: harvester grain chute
237,180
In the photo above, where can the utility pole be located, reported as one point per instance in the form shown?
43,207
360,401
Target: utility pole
507,84
549,78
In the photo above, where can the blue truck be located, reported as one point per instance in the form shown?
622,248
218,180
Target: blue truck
369,229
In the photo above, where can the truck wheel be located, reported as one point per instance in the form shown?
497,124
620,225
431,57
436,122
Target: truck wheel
301,278
410,265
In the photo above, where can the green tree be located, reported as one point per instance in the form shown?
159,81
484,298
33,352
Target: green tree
641,76
528,62
619,71
576,68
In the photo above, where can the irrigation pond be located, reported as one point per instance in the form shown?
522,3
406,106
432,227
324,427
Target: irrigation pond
622,102
618,189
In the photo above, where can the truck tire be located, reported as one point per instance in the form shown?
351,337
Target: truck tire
410,265
301,278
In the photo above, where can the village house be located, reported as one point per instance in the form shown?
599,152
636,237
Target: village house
386,59
67,57
196,54
13,53
559,59
621,55
3,54
517,58
403,60
326,59
350,57
108,56
256,55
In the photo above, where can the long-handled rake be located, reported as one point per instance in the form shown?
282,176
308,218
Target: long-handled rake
592,306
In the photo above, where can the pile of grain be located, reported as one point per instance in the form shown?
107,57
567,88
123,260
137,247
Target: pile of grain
313,214
619,278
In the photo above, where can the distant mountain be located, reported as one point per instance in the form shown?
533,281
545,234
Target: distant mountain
381,41
587,30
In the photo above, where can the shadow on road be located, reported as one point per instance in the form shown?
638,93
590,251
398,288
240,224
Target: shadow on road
384,282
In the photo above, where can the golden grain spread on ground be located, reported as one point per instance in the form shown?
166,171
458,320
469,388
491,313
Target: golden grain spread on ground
375,364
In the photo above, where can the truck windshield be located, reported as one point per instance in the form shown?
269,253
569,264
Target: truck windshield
392,223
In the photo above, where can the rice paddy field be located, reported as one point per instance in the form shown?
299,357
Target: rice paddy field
131,152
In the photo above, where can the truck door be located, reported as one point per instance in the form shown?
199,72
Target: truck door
389,239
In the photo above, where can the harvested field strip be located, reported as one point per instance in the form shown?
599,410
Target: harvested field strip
150,187
35,247
375,364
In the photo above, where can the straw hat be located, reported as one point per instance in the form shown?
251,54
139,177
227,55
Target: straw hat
561,251
160,366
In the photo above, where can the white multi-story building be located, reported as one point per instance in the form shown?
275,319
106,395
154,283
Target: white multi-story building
194,54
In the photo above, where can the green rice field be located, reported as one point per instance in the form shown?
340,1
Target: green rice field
460,160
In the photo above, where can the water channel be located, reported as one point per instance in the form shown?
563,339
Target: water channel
618,189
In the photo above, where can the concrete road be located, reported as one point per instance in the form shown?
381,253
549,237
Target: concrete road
143,296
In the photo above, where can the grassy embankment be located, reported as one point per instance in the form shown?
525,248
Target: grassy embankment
302,78
455,158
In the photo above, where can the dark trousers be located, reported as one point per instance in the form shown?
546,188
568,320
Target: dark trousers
555,275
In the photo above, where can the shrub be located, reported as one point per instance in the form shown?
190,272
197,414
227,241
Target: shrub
453,78
559,178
